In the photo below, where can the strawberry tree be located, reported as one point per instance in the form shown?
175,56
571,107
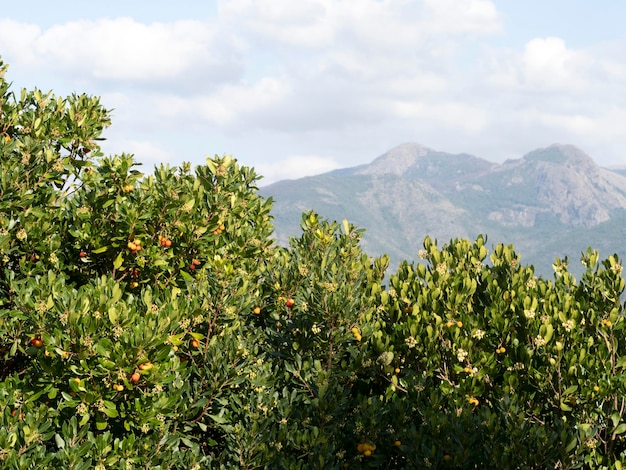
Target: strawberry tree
149,321
489,364
126,299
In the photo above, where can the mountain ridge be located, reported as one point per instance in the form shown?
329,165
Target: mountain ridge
412,191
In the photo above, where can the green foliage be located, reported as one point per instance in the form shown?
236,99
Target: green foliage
150,322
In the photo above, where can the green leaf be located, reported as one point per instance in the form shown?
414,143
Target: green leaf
60,442
84,419
346,226
615,418
571,389
219,419
111,412
113,314
118,261
571,445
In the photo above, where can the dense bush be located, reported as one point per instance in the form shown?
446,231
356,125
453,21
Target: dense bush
150,322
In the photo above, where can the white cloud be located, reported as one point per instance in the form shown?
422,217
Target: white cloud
16,40
294,167
147,152
124,50
456,117
230,104
549,64
478,17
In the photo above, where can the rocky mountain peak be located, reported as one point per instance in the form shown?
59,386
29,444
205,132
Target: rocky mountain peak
560,154
397,160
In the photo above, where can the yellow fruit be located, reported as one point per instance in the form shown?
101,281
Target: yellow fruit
367,453
257,310
397,370
397,443
447,458
356,333
146,366
459,324
367,446
360,448
596,388
132,246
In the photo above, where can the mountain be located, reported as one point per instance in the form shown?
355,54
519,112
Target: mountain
550,203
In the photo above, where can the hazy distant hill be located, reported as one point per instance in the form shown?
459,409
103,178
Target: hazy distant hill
552,202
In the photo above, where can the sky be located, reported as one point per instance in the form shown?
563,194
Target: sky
296,88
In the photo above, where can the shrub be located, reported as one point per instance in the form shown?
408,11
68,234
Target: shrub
150,322
126,300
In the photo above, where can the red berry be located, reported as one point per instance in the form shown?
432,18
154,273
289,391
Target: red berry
82,254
